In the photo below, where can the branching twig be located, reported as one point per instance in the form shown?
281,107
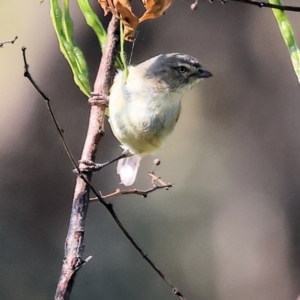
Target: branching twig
109,207
8,42
269,5
256,3
47,100
144,193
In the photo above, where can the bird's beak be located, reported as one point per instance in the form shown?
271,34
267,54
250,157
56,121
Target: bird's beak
203,74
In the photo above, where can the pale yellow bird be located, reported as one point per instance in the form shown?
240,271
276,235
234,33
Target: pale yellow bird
144,108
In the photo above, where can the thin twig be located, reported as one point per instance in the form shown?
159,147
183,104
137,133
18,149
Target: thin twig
109,207
260,4
47,100
144,193
8,42
269,5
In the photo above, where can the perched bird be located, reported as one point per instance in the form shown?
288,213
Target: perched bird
144,108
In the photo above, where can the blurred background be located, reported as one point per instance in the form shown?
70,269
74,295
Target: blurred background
229,229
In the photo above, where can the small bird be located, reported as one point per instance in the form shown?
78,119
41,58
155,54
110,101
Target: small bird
144,107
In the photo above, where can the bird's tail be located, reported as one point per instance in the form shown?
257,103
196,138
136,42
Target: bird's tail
127,169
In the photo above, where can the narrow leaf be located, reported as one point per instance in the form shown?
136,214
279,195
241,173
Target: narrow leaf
288,36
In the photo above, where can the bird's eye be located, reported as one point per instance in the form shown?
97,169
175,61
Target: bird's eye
182,69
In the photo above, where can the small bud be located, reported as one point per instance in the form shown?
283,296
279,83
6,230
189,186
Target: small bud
157,162
194,6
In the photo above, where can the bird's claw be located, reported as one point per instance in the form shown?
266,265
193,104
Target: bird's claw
99,99
89,166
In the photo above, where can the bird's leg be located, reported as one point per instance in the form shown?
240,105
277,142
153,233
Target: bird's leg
90,166
99,99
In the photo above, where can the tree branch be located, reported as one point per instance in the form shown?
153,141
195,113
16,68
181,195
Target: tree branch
8,42
154,179
74,245
49,107
175,291
269,5
256,3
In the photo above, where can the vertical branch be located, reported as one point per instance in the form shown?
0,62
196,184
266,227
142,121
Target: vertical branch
74,245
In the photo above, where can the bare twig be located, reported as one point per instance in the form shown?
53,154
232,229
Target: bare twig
269,5
109,207
144,193
256,3
8,42
47,100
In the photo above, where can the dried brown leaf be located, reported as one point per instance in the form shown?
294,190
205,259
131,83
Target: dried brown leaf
129,19
104,5
122,10
154,9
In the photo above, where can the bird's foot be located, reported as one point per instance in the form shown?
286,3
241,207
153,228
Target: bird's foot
99,99
86,165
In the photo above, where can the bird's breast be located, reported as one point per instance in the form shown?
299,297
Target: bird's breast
148,124
142,120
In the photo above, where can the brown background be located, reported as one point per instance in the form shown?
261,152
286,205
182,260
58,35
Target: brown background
228,230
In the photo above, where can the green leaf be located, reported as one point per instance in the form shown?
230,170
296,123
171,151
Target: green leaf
63,26
122,53
288,36
93,21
